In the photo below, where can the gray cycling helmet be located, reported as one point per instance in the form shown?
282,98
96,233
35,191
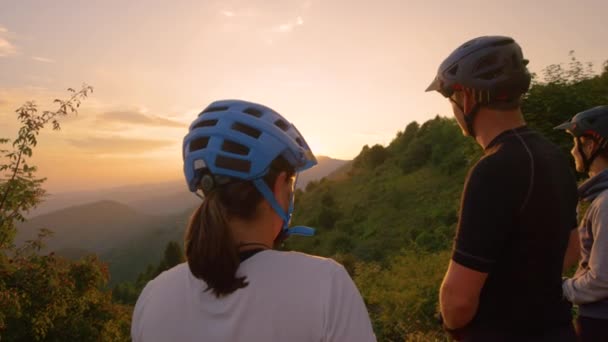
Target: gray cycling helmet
592,123
493,66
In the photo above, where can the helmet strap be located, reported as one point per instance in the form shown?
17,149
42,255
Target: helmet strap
263,188
581,152
588,161
469,118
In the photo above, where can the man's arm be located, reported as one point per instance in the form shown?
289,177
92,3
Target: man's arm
459,295
483,229
574,250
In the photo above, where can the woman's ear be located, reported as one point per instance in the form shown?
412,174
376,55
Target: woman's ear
281,185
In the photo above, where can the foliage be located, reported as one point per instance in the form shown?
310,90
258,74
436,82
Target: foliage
20,190
402,296
46,297
371,157
565,91
128,292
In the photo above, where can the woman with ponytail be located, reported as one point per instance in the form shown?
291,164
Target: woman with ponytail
242,159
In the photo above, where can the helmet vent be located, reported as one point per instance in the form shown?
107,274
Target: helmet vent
487,62
299,141
489,67
199,144
505,41
233,164
254,112
245,129
236,148
453,70
214,109
205,123
282,124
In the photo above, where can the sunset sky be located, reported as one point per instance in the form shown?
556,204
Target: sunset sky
346,72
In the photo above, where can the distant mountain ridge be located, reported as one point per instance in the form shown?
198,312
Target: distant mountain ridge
128,240
92,226
161,198
130,230
324,168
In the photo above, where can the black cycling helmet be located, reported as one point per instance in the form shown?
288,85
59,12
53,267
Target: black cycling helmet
592,123
493,66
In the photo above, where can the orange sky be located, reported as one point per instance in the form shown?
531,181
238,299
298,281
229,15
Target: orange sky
347,73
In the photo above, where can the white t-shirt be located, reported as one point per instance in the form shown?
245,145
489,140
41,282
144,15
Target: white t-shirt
290,297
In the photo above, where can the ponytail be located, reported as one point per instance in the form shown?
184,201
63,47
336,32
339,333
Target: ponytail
211,249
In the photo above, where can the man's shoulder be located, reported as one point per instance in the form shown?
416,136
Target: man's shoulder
516,153
490,165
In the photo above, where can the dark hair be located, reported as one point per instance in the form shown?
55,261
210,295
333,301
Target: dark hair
211,250
505,105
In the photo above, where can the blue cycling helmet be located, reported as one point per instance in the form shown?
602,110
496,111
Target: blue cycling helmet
234,139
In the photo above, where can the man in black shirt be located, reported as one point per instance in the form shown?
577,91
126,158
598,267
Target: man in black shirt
518,209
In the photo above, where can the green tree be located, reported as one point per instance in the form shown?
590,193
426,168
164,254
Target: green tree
128,292
403,139
564,91
45,297
173,255
401,296
371,157
327,217
20,190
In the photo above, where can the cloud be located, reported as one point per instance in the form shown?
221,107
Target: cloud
138,118
119,145
289,26
6,47
241,13
43,59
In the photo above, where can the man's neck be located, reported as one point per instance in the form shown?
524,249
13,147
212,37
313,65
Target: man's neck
490,123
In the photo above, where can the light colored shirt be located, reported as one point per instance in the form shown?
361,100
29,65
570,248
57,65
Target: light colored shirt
290,297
